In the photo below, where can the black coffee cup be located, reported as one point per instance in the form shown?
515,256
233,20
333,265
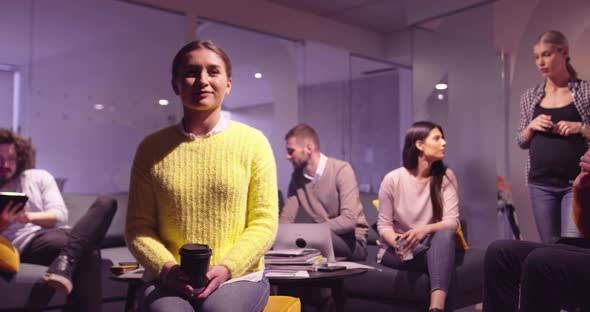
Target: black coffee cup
194,261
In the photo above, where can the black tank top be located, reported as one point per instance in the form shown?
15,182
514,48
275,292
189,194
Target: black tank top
554,158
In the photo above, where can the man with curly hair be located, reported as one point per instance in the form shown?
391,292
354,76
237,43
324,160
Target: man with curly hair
40,233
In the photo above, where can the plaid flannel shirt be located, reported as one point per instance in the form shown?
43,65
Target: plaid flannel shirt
532,97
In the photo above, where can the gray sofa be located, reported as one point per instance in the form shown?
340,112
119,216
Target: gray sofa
387,289
15,293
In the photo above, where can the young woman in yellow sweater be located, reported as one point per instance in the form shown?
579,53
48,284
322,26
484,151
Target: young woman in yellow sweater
209,181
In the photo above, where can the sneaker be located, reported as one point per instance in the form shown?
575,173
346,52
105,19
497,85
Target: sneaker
59,274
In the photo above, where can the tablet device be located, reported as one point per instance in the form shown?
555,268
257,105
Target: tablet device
333,268
16,198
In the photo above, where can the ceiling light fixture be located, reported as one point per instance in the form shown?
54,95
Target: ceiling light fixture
98,106
441,86
258,75
163,102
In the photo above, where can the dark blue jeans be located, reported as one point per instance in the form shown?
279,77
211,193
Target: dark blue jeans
552,208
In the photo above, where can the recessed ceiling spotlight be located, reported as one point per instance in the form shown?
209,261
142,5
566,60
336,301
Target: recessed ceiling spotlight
163,102
98,106
441,86
258,75
440,96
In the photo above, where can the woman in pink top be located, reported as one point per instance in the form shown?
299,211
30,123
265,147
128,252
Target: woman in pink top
419,211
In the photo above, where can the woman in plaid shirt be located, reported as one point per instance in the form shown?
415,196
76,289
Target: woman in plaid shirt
553,126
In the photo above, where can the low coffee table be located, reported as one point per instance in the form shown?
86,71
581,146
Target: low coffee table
332,280
132,284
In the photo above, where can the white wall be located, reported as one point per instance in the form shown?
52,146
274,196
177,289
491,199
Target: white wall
357,121
6,78
467,56
259,116
399,47
75,54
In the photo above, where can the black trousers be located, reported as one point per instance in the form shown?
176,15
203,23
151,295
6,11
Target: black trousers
349,247
82,243
545,276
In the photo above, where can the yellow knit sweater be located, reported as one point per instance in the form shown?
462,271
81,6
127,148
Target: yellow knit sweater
220,190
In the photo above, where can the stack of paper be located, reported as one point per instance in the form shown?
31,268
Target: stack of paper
291,274
293,259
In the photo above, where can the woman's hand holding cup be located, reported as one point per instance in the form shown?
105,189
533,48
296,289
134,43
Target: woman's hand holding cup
216,276
174,278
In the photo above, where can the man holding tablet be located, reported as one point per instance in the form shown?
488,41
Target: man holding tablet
39,231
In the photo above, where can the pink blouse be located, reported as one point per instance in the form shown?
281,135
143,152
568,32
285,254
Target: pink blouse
404,201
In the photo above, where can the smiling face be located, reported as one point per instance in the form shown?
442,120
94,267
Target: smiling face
433,146
550,60
202,81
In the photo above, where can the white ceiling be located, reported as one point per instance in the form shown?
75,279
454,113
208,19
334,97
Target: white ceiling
382,16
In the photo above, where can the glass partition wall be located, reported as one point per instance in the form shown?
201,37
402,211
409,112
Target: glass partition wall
93,75
458,83
96,80
352,101
266,73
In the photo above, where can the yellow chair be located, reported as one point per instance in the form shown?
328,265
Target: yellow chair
282,304
9,256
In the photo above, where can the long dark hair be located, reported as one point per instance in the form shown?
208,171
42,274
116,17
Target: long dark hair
419,131
558,40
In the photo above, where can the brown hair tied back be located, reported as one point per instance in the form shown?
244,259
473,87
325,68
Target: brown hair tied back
558,40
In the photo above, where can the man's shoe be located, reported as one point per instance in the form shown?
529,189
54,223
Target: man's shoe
59,274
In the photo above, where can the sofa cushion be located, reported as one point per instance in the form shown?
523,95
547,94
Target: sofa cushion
78,204
15,292
387,284
371,214
115,236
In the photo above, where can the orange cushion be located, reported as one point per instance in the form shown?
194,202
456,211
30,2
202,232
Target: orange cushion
460,238
282,304
9,257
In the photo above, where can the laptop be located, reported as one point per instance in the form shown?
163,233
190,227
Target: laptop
305,235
